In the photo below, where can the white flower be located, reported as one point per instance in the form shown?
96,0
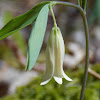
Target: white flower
55,52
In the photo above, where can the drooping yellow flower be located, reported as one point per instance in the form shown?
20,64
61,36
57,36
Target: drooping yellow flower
55,52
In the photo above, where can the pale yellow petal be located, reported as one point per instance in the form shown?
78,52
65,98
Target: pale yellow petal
62,52
57,71
45,82
58,80
49,59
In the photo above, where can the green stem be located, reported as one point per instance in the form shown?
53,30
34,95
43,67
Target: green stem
54,19
87,43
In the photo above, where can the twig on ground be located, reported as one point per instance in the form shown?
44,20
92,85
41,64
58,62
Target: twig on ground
93,73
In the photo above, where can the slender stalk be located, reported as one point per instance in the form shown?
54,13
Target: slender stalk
54,19
87,43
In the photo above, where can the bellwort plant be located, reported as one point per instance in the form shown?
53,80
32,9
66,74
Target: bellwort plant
55,49
55,52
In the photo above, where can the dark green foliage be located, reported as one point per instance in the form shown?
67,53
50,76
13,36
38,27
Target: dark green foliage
53,91
21,21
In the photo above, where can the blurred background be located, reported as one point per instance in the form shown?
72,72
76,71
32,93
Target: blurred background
16,84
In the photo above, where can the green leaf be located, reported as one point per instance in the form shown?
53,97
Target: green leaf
80,2
83,4
17,36
21,21
7,17
36,38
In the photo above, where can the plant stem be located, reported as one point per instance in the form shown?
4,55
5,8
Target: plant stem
54,19
87,43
